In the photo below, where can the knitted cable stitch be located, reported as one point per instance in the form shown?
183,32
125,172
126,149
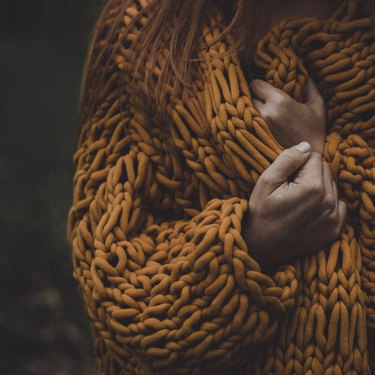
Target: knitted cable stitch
169,283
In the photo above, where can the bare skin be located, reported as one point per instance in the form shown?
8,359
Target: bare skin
283,114
294,208
287,219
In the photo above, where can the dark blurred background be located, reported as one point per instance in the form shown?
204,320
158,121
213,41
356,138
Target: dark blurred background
43,326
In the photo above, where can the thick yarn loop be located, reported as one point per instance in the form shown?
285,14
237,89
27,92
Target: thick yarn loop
156,223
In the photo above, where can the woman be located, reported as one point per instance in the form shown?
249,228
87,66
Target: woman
217,229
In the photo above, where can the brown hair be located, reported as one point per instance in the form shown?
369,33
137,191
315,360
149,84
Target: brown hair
187,17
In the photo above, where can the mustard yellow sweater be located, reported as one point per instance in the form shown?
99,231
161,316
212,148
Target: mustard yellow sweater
156,223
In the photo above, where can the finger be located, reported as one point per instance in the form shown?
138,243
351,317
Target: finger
262,109
342,208
327,177
335,190
335,213
258,105
312,171
265,91
310,91
313,97
336,195
287,162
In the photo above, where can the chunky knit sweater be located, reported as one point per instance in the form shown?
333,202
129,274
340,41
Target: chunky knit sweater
169,283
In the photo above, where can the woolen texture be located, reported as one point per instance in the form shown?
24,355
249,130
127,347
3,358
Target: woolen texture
156,223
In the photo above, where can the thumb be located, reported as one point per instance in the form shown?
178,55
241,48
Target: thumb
288,162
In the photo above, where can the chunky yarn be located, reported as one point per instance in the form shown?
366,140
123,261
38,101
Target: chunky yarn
169,283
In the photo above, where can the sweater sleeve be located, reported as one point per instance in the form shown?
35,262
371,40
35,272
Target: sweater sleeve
169,287
164,291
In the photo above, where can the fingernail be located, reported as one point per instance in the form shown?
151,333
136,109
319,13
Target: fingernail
303,147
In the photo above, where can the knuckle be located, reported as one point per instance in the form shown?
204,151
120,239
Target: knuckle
280,100
344,207
318,98
330,227
320,101
268,113
328,203
335,225
331,234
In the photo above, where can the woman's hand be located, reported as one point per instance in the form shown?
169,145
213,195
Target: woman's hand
292,122
291,217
